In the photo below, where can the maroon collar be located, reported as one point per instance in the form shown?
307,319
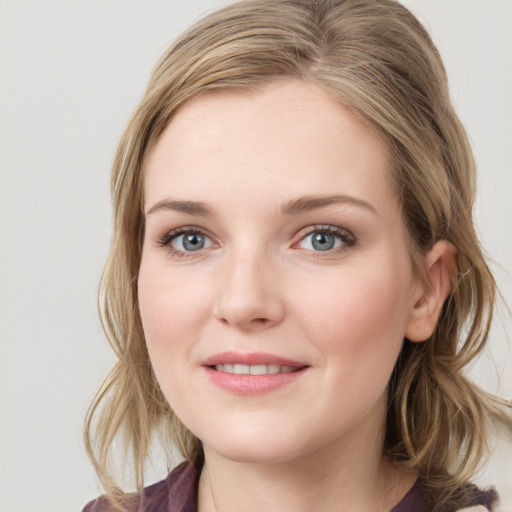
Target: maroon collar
182,485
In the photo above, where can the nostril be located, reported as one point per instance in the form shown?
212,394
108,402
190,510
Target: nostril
260,320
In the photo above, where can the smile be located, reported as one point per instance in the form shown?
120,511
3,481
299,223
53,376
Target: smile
256,369
253,373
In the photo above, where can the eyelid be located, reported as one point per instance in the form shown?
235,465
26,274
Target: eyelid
327,228
347,238
166,239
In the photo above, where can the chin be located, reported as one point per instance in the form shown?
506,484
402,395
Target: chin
255,454
257,446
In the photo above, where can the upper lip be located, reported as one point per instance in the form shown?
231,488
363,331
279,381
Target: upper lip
250,358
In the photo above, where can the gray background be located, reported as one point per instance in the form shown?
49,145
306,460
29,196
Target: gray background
71,72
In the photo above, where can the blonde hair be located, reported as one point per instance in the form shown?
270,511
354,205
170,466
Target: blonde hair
377,59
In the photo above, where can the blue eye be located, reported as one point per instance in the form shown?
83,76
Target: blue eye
326,238
184,241
190,242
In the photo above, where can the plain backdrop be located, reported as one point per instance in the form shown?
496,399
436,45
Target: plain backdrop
71,72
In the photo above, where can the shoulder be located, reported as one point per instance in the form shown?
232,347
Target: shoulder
176,493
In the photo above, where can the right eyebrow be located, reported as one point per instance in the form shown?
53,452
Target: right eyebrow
308,203
190,207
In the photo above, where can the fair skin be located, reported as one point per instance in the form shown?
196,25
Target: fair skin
294,256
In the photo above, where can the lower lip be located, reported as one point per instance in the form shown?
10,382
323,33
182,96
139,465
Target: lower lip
252,384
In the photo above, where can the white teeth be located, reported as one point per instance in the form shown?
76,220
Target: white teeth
259,369
241,369
255,369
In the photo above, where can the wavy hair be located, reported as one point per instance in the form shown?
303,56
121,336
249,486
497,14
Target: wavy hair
376,58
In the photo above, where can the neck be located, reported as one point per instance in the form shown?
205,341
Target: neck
350,475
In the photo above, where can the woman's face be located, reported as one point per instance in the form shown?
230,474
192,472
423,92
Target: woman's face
275,285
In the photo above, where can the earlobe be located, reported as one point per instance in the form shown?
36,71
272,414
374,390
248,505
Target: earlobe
439,265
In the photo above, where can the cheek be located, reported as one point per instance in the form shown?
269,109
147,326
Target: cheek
169,312
359,313
168,306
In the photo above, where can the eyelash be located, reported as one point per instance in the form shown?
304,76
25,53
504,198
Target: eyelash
348,240
167,238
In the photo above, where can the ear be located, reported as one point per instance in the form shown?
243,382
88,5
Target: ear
439,264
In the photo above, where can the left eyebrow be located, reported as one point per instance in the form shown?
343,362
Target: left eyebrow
189,207
308,203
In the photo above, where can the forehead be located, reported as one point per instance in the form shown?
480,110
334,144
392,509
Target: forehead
289,137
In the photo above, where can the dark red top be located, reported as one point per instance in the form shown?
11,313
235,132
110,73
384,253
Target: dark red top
178,493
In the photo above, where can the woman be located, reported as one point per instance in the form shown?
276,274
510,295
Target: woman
295,285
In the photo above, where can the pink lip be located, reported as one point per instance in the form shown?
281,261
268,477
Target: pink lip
252,384
252,358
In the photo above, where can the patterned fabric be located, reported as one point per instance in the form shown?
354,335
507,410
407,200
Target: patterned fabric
178,493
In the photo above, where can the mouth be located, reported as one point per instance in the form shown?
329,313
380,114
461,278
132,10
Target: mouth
255,369
252,373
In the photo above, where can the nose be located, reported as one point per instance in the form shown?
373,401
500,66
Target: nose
248,295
